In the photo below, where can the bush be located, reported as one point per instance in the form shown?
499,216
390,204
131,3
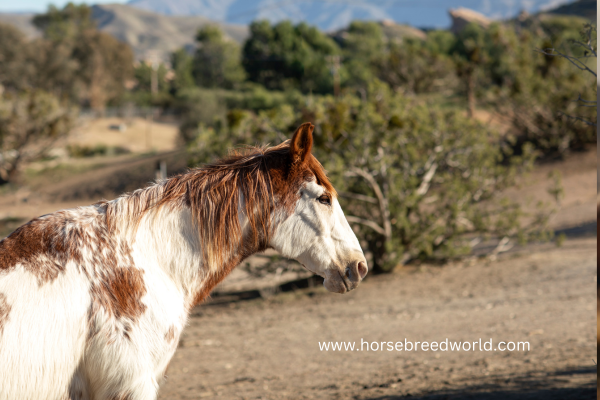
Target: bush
79,151
212,107
538,93
30,123
415,182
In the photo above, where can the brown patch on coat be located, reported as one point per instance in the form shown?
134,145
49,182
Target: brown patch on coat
119,293
40,247
122,396
170,334
213,279
4,312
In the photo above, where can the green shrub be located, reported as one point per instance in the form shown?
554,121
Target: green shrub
82,151
416,182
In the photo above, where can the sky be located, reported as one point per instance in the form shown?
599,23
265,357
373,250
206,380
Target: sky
419,12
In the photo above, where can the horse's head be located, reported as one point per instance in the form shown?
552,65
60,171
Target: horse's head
312,227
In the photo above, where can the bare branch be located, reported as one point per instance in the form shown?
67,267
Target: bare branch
503,245
371,224
424,186
585,121
357,196
573,60
586,103
383,204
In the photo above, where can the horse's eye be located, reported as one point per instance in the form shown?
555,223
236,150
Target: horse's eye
324,199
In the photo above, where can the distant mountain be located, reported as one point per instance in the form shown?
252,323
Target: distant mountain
151,35
582,8
335,14
21,21
154,34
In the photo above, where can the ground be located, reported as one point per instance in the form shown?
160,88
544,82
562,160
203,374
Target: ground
269,349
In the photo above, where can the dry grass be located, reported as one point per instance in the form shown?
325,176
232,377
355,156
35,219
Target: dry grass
140,135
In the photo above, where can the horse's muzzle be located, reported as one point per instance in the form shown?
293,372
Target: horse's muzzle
343,281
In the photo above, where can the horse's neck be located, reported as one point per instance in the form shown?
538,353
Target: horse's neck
166,241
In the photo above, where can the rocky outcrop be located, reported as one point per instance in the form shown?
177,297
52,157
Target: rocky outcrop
461,17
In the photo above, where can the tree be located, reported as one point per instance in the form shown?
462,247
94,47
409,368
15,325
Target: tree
217,60
182,62
284,56
66,24
588,47
16,64
415,67
470,56
105,64
538,95
143,76
30,122
76,60
363,47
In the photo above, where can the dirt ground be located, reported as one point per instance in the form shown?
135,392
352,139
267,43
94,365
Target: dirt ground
269,349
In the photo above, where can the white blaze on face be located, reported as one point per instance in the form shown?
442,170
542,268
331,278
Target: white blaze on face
320,238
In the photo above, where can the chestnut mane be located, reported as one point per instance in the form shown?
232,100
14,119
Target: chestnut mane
265,178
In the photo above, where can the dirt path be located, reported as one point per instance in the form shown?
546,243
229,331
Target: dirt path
269,349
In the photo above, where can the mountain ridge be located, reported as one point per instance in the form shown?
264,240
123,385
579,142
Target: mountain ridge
330,15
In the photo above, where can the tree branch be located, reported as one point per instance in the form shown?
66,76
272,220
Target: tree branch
585,121
424,186
573,60
383,205
357,196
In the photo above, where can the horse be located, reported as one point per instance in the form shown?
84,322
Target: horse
93,299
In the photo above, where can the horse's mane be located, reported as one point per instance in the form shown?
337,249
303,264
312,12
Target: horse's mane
258,175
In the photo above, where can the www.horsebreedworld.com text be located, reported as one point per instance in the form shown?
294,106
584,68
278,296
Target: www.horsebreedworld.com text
406,345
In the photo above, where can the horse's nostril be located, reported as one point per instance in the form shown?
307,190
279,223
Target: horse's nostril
362,269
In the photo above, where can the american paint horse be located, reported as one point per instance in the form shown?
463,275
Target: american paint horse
93,299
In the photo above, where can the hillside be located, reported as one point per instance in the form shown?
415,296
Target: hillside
143,30
582,8
22,21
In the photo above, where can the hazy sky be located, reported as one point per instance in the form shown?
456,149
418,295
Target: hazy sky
41,5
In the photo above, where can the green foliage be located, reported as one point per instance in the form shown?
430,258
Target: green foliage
363,47
72,60
199,107
143,76
182,63
16,59
79,151
30,122
416,66
431,177
65,24
539,92
216,63
415,181
210,107
284,56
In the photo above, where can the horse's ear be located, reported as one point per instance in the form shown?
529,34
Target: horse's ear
302,142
